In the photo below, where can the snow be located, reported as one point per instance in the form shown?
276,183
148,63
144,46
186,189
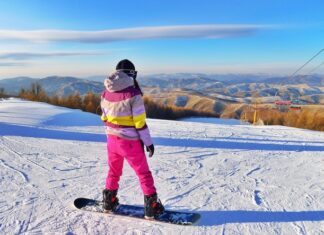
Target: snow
220,121
242,179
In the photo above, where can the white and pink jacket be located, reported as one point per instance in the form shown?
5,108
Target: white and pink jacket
123,109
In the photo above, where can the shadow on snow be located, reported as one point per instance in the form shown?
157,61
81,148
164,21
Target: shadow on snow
41,132
38,132
212,218
221,144
76,118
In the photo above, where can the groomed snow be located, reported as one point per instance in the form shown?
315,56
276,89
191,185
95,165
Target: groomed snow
242,179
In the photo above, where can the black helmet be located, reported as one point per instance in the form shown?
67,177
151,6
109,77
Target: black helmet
127,67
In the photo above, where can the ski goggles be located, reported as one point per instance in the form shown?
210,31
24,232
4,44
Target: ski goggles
128,71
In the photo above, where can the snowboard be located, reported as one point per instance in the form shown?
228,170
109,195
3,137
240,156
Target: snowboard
173,217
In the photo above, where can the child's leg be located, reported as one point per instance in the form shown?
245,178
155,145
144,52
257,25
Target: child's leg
115,162
135,156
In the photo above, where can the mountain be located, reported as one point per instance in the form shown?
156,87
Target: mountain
239,88
188,81
240,178
53,85
311,80
201,81
13,85
227,87
223,78
64,86
96,78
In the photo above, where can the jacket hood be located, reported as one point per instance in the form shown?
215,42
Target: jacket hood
118,81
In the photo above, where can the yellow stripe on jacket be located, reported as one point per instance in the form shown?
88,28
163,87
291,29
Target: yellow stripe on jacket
136,121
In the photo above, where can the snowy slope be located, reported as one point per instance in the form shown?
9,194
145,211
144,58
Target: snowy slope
242,179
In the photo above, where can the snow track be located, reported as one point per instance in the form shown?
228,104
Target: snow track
242,179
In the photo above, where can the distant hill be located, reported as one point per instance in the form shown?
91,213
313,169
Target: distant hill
53,85
96,78
64,86
187,80
311,80
13,85
236,87
226,88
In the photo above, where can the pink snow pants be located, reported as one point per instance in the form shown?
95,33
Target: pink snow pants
133,151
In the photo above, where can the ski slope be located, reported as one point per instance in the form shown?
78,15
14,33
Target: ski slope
242,179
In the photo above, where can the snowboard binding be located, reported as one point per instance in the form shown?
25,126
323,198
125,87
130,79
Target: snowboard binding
110,200
152,206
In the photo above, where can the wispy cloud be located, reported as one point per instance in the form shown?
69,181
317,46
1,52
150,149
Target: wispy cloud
180,31
11,64
30,55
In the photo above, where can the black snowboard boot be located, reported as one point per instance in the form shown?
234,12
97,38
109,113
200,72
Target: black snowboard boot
152,206
110,200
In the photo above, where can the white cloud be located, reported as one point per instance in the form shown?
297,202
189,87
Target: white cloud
10,64
180,31
29,55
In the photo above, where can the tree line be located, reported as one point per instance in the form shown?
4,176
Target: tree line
3,93
311,118
90,102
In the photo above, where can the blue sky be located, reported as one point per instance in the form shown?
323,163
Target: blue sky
83,38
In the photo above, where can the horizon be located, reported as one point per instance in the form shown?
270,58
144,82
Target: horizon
83,39
260,75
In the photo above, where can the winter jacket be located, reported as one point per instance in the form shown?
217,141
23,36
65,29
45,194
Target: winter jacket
123,109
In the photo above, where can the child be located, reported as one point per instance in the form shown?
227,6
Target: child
124,115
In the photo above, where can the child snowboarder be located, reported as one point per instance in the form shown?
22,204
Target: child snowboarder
124,115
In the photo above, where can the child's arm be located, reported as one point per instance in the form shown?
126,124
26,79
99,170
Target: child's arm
139,118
